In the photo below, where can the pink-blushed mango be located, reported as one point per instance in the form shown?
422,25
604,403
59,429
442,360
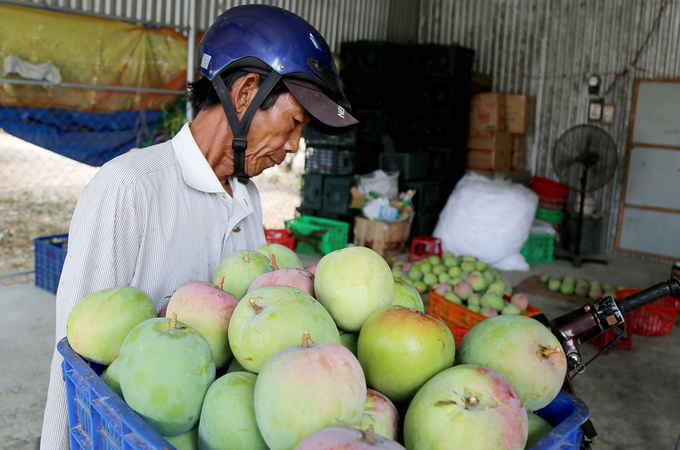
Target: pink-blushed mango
381,414
303,389
207,308
463,290
443,289
468,407
488,311
476,281
401,348
289,276
533,360
520,300
99,323
343,438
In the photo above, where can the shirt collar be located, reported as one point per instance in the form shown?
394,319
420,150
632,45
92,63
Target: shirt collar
241,194
196,170
199,175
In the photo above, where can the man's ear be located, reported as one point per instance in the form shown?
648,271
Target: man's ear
243,91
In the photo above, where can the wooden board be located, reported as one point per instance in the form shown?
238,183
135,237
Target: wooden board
533,285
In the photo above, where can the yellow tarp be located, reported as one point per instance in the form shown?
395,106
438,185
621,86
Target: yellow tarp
90,50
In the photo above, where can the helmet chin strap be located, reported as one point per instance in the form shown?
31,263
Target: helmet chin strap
239,128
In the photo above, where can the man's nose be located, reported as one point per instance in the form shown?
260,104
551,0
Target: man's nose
293,142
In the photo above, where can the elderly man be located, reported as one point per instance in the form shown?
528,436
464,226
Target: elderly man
158,217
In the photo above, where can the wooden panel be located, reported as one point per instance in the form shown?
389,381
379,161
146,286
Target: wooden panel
654,178
650,232
656,114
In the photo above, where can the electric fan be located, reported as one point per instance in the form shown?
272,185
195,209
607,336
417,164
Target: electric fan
584,159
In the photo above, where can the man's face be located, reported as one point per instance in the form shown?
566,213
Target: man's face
274,133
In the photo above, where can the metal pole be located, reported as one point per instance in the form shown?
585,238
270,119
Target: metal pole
191,49
16,274
103,87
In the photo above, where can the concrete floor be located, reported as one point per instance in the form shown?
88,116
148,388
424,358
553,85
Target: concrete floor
633,397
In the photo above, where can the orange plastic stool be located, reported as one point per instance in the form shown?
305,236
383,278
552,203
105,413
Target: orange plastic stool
606,337
424,246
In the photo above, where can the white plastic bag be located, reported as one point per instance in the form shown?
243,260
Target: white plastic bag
489,219
381,183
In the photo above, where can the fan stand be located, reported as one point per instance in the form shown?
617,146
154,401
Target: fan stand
576,258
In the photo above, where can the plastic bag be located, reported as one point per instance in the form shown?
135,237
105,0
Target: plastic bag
380,209
381,183
489,219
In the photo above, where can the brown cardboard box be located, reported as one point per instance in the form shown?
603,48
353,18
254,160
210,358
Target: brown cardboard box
386,238
519,114
518,152
481,82
487,113
490,152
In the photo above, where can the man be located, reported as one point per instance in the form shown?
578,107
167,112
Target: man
159,217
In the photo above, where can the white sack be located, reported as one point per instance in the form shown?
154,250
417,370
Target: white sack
489,219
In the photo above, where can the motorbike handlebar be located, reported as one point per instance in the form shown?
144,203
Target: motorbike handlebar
670,288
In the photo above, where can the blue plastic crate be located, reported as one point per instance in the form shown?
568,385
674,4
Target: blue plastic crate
566,414
50,253
98,418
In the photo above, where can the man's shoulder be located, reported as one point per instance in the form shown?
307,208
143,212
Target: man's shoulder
140,163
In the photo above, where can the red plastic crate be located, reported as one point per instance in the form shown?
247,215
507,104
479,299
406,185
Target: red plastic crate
655,319
283,237
458,334
457,316
550,193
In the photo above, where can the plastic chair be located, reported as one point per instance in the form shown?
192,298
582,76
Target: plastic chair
424,246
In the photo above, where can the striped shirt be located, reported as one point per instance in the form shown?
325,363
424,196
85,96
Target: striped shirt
153,218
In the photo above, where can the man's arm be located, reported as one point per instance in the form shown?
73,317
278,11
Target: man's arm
103,223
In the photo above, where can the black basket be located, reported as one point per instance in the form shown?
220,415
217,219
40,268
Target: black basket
411,166
330,160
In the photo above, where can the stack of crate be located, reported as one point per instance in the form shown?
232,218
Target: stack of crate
418,95
330,166
498,127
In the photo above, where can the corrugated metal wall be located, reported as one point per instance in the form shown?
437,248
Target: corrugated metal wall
548,48
337,20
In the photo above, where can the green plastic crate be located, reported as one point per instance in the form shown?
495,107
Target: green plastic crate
551,216
318,236
538,248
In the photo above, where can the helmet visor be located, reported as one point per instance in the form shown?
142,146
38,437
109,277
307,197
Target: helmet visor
329,116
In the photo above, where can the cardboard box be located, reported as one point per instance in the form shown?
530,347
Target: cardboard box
388,239
487,113
518,152
490,152
519,114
